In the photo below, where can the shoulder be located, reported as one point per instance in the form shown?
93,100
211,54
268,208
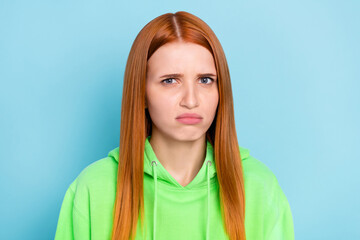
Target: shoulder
98,170
97,182
98,175
266,205
254,168
259,179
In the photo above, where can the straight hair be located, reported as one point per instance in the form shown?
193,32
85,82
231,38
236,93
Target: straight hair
136,125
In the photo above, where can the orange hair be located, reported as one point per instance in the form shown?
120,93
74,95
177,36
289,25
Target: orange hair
136,126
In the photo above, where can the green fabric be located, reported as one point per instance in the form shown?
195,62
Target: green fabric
176,212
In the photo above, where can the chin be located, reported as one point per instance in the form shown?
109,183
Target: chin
189,136
181,133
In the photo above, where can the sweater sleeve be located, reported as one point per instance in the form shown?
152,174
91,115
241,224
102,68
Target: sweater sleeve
73,223
64,228
278,218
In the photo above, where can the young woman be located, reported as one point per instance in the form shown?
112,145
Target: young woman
178,172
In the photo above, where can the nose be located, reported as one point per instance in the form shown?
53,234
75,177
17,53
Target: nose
189,95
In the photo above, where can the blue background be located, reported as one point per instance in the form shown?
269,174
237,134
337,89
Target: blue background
295,79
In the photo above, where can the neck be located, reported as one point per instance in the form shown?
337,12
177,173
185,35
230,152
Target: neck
182,159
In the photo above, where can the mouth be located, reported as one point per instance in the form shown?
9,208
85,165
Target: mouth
189,120
189,115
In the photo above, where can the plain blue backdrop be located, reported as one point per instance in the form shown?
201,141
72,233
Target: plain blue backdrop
295,77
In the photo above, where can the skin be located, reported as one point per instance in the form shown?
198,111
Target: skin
179,147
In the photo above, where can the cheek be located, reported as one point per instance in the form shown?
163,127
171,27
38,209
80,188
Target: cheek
212,108
160,106
212,103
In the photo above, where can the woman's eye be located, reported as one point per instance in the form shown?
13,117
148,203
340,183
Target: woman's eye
167,80
207,78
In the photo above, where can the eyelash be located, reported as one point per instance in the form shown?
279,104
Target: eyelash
163,81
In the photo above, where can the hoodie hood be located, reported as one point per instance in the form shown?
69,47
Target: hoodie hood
149,155
153,167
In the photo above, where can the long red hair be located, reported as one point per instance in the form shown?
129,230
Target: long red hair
136,126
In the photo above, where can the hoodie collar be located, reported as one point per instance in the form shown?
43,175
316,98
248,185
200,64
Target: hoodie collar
200,179
162,173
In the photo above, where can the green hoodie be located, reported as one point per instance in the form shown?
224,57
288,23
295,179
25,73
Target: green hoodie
173,211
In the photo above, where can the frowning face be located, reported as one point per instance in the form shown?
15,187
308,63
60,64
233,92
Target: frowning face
181,78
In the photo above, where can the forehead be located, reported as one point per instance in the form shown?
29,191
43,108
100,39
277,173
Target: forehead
181,57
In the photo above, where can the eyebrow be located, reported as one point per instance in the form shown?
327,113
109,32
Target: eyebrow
175,75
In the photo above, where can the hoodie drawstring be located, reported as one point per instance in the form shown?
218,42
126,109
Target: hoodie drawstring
208,163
